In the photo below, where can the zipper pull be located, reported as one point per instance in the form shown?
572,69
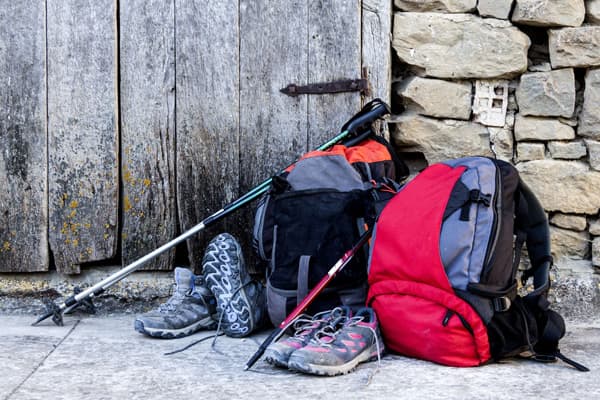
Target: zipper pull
449,314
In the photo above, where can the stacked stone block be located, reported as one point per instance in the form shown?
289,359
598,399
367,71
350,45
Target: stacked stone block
514,79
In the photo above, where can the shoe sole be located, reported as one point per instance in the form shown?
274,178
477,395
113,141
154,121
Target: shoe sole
369,354
225,280
206,323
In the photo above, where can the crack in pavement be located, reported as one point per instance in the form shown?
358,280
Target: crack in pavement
20,385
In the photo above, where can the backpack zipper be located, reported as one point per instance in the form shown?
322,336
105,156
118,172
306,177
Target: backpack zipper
496,223
448,316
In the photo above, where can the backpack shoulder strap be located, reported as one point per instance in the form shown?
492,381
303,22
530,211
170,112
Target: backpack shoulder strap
531,227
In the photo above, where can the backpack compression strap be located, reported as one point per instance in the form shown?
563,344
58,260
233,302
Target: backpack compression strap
547,347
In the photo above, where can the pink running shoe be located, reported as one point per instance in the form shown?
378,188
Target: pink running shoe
305,329
335,352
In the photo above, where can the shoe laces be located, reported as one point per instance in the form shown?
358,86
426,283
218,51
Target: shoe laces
304,325
354,321
378,347
358,319
173,301
327,334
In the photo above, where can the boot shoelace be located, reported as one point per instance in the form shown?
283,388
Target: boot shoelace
218,332
173,301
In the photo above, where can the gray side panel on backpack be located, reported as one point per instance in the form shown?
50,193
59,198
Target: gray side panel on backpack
328,172
463,244
277,303
257,228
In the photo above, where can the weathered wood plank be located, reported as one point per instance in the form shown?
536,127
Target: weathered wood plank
376,47
334,48
207,118
273,54
147,93
23,198
82,131
273,126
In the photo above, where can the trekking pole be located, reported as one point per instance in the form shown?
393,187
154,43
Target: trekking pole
358,126
289,320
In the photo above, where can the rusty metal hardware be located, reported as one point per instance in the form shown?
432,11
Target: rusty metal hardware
346,85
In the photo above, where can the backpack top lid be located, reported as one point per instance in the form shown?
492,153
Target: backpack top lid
343,168
329,169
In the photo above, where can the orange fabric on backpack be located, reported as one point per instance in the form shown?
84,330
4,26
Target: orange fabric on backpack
369,151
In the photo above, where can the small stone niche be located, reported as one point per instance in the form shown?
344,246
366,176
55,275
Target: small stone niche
491,102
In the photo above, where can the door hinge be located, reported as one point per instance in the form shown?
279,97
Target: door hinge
345,85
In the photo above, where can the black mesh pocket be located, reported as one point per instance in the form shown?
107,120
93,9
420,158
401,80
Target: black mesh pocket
323,226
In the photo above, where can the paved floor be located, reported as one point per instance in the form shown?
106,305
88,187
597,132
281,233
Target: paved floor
104,358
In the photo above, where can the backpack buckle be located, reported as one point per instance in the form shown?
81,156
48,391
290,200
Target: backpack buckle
501,304
475,196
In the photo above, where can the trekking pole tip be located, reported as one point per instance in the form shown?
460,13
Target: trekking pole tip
40,319
263,347
254,358
52,310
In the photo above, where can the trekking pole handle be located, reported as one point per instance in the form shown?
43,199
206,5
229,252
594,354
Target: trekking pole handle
371,112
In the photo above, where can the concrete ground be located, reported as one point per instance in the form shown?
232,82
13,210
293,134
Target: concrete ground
102,357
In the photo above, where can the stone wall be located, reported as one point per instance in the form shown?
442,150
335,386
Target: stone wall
516,79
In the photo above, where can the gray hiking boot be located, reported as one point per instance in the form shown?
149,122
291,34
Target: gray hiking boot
241,301
190,308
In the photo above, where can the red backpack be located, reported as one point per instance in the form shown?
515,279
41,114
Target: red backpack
443,267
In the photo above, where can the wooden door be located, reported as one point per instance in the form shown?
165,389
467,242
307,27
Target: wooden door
137,119
238,128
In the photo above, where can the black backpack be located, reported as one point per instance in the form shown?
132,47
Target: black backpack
314,212
444,267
